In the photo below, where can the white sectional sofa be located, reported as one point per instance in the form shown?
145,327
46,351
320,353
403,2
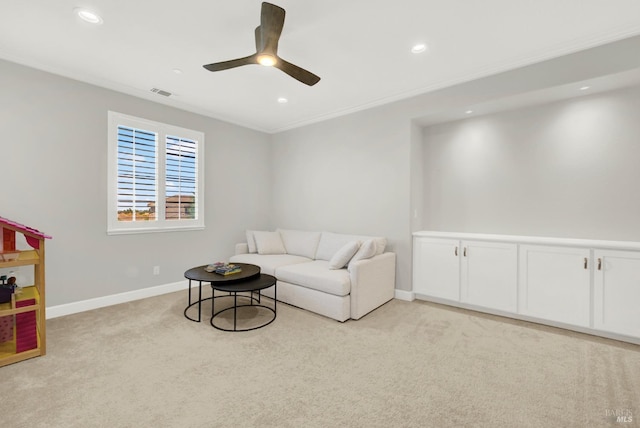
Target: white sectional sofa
336,275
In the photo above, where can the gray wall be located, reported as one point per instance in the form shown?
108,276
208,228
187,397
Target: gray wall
567,169
347,175
363,172
54,167
360,173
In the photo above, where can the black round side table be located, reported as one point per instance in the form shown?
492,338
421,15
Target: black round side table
249,272
251,286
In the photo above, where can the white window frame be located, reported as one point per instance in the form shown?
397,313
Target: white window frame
115,227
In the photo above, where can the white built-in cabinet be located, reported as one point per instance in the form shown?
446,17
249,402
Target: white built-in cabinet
584,285
616,292
555,283
489,270
466,271
438,268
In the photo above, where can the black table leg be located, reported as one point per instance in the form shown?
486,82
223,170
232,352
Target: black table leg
235,310
199,301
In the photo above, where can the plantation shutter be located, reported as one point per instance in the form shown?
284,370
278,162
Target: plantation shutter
137,177
181,178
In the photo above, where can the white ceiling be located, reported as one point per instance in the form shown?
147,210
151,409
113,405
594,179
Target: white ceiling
360,49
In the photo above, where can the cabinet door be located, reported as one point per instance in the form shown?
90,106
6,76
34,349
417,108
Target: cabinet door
616,298
436,267
490,275
555,284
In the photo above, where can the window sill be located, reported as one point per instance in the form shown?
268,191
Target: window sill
139,230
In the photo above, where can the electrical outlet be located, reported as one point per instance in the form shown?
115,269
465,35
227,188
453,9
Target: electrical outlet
156,270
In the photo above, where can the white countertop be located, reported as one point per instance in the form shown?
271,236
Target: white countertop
538,240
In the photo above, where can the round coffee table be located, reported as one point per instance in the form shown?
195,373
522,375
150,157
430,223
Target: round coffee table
251,286
199,274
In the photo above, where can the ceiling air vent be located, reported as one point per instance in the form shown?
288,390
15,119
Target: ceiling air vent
161,92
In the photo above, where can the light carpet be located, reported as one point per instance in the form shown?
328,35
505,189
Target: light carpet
407,364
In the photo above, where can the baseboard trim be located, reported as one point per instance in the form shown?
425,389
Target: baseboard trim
114,299
404,295
521,317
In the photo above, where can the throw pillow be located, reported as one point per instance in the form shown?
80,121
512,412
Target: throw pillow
299,242
343,255
366,251
269,242
330,243
251,241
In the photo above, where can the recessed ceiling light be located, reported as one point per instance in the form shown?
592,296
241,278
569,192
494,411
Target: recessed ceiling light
283,100
469,111
177,71
584,88
87,15
419,48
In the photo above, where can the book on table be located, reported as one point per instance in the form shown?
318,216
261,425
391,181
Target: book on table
229,272
222,268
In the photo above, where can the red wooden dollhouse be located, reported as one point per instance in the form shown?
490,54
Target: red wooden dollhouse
23,320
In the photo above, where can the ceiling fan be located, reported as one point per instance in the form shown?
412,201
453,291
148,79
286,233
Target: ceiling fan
267,36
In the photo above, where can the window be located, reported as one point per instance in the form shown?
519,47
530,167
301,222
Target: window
155,176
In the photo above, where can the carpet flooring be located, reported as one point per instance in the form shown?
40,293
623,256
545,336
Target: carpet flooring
407,364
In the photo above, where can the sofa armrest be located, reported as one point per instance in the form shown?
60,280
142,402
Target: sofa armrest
242,248
373,283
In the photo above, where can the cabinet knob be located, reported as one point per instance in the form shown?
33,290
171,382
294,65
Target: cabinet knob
455,251
585,263
599,264
464,252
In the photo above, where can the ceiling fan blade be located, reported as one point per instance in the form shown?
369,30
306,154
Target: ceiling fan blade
225,65
304,76
271,23
258,36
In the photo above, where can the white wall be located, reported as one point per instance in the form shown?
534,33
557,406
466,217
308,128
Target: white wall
567,169
417,178
54,167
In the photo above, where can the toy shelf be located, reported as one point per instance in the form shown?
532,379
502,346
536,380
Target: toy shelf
8,354
25,258
27,293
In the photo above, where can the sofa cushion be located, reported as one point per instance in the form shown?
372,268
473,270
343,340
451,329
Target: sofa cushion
343,255
366,251
330,243
316,275
269,242
300,242
268,263
251,241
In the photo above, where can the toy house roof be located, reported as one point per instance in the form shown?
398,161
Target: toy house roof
27,231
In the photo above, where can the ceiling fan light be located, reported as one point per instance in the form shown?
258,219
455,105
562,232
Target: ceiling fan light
266,60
